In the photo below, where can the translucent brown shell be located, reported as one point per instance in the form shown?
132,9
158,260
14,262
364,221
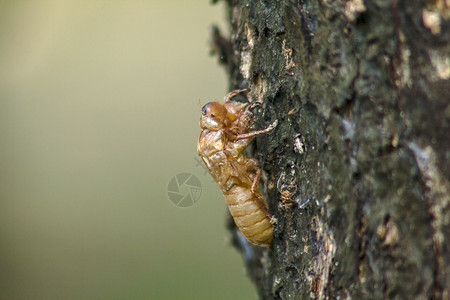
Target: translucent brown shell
225,135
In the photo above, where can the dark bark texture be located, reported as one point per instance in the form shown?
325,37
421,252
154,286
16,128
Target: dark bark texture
357,170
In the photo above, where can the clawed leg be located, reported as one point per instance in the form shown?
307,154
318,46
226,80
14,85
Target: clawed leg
237,174
233,93
251,106
257,132
255,183
256,195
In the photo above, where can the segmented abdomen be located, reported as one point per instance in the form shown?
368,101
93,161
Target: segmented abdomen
249,217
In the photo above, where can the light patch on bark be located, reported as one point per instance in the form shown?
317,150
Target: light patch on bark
287,186
289,61
432,21
441,64
298,145
321,267
404,70
259,89
353,8
388,233
246,59
437,194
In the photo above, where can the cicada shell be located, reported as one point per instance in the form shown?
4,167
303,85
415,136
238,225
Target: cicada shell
224,137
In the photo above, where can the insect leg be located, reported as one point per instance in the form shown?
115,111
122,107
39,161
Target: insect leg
233,93
257,132
256,195
237,173
255,183
251,106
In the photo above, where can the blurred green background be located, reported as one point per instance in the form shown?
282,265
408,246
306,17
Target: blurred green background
98,111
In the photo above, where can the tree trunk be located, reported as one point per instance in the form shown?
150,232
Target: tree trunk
357,170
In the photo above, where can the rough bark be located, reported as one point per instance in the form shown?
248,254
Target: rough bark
357,171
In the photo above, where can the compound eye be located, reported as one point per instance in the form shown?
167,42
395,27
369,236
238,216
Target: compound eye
205,109
214,110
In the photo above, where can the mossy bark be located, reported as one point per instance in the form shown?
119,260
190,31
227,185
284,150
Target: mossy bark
357,170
